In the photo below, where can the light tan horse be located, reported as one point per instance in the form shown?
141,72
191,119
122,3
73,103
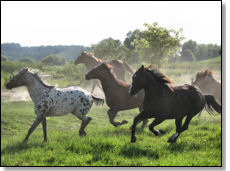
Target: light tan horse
206,81
116,93
90,61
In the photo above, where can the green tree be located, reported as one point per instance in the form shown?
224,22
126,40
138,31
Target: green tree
53,60
27,60
3,58
109,49
157,43
187,55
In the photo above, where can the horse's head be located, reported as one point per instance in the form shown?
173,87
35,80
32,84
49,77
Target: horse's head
18,80
81,59
138,81
203,78
98,71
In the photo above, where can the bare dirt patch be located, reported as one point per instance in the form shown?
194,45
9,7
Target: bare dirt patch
17,94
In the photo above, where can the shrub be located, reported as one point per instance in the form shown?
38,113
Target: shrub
53,60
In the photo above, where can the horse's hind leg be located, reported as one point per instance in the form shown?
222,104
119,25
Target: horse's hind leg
84,123
37,121
112,114
139,117
144,123
156,122
44,128
180,129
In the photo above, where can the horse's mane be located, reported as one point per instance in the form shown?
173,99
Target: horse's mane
203,74
108,68
40,80
158,75
92,56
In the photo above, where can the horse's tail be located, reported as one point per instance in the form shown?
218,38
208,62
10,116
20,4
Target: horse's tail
128,68
98,101
212,104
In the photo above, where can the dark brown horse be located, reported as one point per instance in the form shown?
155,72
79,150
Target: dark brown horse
163,101
90,61
206,81
116,93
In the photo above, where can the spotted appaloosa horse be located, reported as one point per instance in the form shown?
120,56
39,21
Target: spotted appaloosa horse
52,101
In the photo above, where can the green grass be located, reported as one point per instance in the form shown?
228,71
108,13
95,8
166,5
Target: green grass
104,144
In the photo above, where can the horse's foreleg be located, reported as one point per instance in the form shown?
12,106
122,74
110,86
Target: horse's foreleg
44,128
37,121
138,118
180,129
156,122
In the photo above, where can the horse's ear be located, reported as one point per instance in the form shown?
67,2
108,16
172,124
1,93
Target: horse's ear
142,67
26,69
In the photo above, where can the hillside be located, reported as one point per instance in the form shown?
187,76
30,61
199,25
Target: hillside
15,51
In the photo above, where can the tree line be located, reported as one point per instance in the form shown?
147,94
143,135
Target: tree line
154,45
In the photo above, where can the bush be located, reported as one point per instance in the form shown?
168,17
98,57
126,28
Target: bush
53,60
27,60
187,55
3,58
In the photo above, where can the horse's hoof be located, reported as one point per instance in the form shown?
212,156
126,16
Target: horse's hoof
161,132
124,122
133,139
173,138
25,141
82,134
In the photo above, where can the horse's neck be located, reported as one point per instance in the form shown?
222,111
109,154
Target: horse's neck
108,81
90,64
36,89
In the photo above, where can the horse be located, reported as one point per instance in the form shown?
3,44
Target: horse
207,82
52,101
116,93
163,101
90,61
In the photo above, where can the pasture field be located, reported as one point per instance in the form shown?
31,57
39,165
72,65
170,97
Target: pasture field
104,144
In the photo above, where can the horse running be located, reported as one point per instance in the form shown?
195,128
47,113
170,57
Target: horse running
52,101
90,61
206,81
116,93
163,101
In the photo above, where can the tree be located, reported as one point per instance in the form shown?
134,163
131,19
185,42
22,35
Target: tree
108,49
27,60
131,55
157,43
53,60
187,55
3,58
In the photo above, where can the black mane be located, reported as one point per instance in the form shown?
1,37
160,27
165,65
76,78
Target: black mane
159,76
40,80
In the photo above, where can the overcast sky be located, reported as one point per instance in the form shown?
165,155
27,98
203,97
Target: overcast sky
85,23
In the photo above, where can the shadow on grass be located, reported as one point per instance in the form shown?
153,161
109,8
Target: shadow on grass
15,148
136,152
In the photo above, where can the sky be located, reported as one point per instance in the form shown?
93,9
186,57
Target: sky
84,23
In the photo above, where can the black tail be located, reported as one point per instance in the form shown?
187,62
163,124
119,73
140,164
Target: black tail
98,101
212,104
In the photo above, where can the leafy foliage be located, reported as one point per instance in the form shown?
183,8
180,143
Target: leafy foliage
27,60
200,51
157,43
3,58
108,49
53,60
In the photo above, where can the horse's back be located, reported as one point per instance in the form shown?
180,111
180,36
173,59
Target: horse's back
66,100
191,97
